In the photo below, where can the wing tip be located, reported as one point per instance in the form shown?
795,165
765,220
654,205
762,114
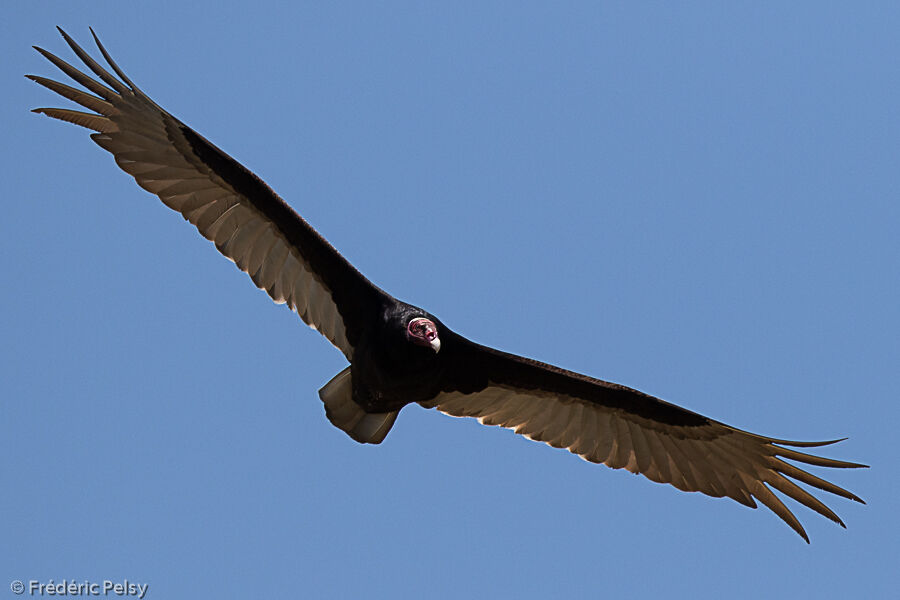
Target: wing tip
800,444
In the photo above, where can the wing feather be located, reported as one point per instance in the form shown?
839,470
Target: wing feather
253,227
230,206
570,434
615,460
93,103
603,445
625,429
271,268
643,458
281,290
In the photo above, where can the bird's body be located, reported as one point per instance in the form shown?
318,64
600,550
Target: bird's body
400,354
388,371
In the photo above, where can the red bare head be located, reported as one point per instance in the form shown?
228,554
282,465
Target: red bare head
423,332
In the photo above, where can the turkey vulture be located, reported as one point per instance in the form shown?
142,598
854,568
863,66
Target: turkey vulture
400,354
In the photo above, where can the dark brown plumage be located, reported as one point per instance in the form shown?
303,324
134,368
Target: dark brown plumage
400,354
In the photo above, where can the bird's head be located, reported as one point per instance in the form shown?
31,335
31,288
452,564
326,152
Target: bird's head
423,332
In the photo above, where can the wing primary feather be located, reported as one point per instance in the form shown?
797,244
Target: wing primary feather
795,443
733,441
94,65
113,64
790,470
693,466
710,471
137,134
78,76
818,461
678,465
83,119
725,465
792,490
75,95
773,503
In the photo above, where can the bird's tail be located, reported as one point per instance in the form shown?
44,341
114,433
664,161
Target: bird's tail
347,415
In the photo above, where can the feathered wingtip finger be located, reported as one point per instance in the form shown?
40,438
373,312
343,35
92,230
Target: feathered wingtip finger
90,121
112,63
798,444
94,66
101,99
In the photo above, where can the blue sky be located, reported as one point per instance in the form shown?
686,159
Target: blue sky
697,200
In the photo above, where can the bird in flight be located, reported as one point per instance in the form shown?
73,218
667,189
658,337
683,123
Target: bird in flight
400,354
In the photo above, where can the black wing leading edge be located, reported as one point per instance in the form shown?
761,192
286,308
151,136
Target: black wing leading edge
620,427
228,204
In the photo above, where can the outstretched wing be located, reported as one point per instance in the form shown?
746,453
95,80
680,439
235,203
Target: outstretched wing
623,428
228,204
